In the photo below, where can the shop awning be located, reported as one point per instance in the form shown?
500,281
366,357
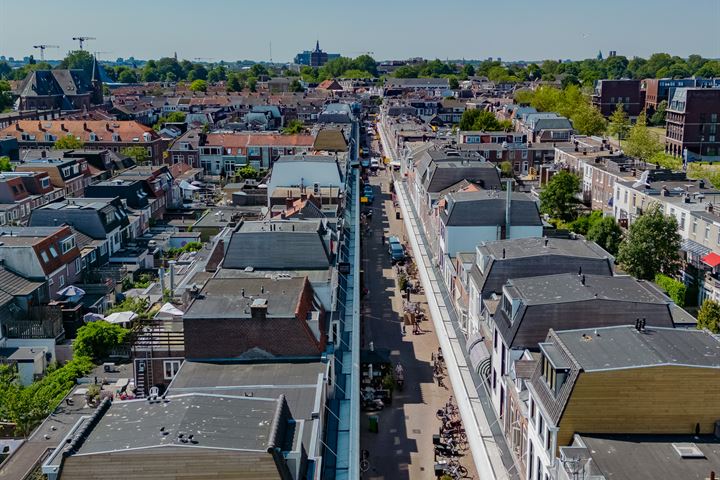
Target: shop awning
479,355
712,259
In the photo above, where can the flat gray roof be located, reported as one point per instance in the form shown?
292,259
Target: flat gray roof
215,421
535,247
568,287
232,297
651,457
611,348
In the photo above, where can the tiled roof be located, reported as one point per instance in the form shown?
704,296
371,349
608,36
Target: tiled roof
127,130
243,140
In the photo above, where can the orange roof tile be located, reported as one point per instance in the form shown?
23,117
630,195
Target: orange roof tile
127,130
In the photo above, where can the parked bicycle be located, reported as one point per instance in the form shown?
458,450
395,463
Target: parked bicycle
455,470
364,462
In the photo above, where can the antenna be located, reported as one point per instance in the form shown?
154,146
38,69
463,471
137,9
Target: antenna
42,48
82,40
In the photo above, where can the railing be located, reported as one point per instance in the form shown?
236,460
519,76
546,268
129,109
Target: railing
26,329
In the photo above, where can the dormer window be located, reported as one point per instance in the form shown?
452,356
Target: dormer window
555,368
49,137
115,137
93,137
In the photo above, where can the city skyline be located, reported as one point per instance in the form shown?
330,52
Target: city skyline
511,32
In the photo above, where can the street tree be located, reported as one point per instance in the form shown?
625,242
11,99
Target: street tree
588,120
558,198
640,142
294,127
68,142
709,316
619,123
476,119
651,246
5,165
606,233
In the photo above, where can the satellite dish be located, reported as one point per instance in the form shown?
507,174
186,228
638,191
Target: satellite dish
264,211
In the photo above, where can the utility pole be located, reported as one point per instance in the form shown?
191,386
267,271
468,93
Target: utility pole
82,40
42,48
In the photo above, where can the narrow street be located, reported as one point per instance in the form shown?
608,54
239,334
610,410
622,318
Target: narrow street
403,447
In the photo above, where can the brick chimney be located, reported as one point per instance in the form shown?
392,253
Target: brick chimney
62,127
289,202
258,309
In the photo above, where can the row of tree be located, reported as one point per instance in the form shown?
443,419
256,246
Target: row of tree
571,102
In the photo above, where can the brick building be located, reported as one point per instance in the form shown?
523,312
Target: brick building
608,93
692,124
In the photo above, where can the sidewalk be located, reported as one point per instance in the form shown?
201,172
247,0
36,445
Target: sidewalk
492,458
403,448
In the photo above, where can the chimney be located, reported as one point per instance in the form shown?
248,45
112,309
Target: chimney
289,203
172,275
258,309
43,153
508,205
580,270
503,253
62,127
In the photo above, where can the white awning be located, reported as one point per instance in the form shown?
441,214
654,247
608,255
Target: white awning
121,317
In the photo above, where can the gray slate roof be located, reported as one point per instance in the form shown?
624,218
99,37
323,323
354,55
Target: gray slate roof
487,208
441,175
277,250
624,347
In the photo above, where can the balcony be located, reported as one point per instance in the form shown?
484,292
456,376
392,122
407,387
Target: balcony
34,329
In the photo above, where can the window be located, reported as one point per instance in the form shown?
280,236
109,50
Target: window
495,338
707,232
171,368
682,221
53,251
78,264
62,280
44,182
44,256
67,244
694,226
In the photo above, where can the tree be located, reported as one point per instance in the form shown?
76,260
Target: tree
78,60
259,69
658,118
640,142
127,76
5,165
468,70
558,199
506,169
453,83
588,120
294,127
198,86
675,289
5,95
139,154
172,117
296,86
476,119
606,233
234,84
709,316
619,122
247,172
651,246
68,142
96,339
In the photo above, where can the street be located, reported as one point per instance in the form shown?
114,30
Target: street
403,447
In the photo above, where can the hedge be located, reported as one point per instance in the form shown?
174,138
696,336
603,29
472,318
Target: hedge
675,289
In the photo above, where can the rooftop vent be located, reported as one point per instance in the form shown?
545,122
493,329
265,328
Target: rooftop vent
688,450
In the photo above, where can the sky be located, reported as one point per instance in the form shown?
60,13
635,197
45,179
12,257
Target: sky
390,29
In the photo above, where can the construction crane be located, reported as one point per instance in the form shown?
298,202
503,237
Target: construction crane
42,49
83,40
200,59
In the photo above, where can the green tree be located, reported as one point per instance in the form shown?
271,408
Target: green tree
606,233
247,172
296,86
234,84
259,69
78,60
588,120
252,84
640,142
477,119
675,289
127,76
651,246
506,169
294,127
139,154
96,339
709,316
558,199
68,142
172,117
198,86
5,165
6,100
665,160
468,70
619,123
658,118
453,83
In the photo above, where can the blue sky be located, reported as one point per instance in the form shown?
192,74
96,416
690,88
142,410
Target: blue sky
392,29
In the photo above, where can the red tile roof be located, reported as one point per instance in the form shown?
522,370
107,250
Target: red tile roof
127,130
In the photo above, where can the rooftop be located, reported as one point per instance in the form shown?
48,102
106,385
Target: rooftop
234,298
569,287
536,247
612,348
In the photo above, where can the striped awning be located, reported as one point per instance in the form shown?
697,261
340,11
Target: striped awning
694,248
479,355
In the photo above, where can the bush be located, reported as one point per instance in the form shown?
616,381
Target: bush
96,339
675,289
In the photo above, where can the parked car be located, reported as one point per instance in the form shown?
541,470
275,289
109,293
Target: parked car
393,240
397,253
374,164
368,192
